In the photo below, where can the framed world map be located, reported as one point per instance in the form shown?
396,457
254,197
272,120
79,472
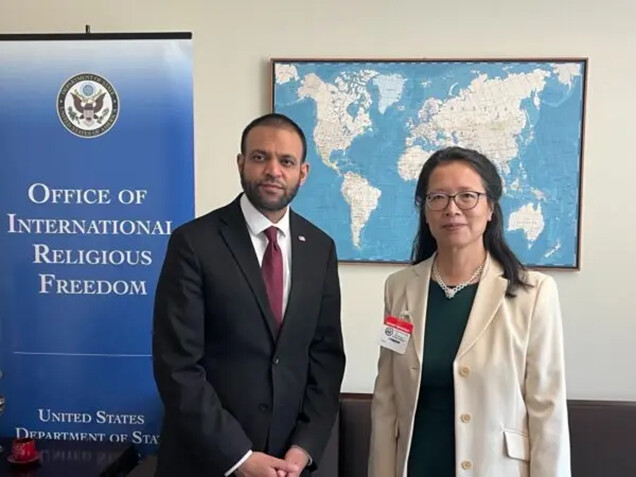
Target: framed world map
371,125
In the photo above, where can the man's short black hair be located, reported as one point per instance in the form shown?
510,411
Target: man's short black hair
275,120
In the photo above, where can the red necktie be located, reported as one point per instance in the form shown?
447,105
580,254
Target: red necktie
272,270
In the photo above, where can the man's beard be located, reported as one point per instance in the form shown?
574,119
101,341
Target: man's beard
253,192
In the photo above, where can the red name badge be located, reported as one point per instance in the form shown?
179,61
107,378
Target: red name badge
395,334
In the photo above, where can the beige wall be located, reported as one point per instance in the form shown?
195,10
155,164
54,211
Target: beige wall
233,41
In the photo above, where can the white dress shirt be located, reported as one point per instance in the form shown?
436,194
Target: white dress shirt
257,223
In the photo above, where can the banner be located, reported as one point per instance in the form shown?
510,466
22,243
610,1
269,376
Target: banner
96,171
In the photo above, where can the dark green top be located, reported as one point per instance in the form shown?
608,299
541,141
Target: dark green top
433,446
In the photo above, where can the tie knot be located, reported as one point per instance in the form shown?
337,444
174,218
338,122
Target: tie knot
272,234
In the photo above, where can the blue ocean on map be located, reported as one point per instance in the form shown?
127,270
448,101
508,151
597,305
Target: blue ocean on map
370,127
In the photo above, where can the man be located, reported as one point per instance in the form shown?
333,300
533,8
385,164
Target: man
247,344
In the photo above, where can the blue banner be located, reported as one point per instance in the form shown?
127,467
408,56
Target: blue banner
96,170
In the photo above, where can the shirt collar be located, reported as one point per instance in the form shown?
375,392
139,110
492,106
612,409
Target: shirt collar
257,222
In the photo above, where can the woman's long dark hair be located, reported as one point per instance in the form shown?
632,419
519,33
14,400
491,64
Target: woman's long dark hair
425,244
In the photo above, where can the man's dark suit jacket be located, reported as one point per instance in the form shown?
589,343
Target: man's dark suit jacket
228,380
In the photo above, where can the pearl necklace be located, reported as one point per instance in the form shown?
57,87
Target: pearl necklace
451,292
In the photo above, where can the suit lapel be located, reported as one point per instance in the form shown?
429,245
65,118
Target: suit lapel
238,240
417,303
490,294
300,265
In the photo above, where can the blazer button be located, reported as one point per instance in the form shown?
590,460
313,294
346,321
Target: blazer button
464,371
467,465
264,407
465,418
276,360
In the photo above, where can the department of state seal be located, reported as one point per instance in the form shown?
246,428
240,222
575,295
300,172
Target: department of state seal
88,105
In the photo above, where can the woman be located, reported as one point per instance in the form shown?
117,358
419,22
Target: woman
479,389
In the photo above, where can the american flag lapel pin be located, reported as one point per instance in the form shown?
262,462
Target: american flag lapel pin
301,238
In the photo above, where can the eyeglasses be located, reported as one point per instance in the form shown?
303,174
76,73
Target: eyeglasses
465,200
